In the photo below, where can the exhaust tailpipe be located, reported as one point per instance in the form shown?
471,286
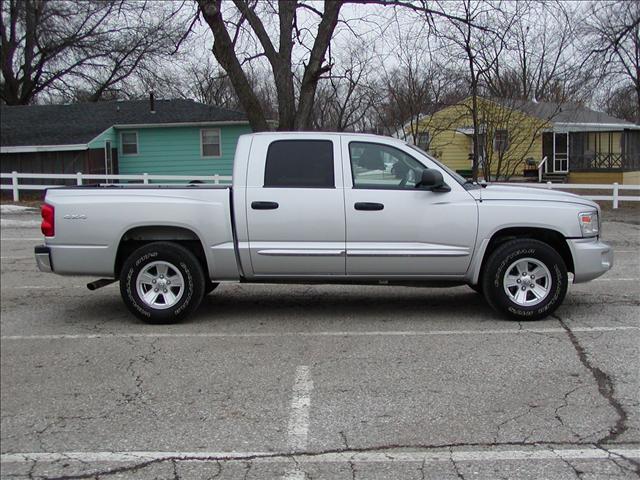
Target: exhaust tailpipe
103,282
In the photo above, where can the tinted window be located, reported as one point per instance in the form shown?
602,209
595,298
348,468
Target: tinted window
300,163
381,166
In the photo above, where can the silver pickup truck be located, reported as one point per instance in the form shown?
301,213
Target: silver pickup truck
324,208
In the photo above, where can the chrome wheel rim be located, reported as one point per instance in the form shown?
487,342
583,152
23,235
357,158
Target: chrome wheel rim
527,282
160,285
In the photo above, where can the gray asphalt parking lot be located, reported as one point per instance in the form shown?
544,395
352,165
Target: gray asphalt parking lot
317,381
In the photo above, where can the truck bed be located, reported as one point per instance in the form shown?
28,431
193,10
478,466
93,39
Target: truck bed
92,221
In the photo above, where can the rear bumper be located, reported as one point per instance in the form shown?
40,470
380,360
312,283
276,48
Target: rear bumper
591,258
43,258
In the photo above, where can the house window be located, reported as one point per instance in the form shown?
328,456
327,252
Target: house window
423,140
210,142
501,140
129,142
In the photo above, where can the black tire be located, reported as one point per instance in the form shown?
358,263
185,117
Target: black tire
210,287
496,268
180,260
476,288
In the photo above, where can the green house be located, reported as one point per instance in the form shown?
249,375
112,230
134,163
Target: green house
161,137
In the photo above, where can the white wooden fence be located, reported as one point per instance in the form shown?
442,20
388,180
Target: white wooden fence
81,179
145,178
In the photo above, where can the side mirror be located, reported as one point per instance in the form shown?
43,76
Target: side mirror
432,180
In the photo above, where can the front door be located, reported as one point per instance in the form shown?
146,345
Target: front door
295,207
395,229
561,153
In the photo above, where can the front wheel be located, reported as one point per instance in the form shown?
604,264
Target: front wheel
525,279
162,282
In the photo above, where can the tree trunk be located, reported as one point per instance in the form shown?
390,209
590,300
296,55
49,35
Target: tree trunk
226,57
314,68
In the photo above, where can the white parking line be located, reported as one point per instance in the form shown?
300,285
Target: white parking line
392,333
9,257
380,456
298,428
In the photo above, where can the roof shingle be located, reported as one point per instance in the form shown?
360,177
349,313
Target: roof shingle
562,112
79,123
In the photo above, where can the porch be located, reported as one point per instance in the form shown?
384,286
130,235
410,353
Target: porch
591,151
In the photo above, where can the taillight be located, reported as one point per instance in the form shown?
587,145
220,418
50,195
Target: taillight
48,225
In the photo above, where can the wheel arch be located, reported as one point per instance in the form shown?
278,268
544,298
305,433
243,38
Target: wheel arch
138,236
551,237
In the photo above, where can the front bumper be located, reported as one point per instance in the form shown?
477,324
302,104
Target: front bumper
591,258
43,258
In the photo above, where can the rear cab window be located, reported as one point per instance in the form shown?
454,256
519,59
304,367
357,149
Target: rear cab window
299,164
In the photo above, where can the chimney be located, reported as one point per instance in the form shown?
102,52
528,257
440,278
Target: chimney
152,103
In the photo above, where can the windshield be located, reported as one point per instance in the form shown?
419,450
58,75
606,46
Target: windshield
458,178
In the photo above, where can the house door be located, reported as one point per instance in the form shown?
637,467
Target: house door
561,152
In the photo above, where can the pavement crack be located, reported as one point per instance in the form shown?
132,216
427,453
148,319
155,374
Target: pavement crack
219,472
352,466
508,420
578,473
110,471
344,439
247,470
615,457
249,458
455,466
421,469
143,359
604,383
175,470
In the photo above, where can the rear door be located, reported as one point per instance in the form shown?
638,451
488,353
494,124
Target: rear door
295,206
395,229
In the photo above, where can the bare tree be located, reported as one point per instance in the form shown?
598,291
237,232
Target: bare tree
295,52
247,18
617,104
346,97
613,35
58,46
478,40
539,60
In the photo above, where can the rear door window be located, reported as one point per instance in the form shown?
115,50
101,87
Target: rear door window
300,164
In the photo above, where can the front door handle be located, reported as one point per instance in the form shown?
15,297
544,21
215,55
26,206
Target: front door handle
264,205
368,206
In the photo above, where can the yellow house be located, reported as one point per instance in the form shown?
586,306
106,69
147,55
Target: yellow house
580,145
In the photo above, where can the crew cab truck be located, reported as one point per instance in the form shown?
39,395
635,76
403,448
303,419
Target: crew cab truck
310,207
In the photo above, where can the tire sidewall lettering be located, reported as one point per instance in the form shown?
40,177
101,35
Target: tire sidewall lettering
503,256
182,260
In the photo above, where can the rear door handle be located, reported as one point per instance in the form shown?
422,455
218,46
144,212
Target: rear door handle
368,206
264,205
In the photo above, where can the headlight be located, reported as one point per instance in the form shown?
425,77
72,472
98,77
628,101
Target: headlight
589,224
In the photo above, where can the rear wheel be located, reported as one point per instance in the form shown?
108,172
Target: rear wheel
162,282
525,279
